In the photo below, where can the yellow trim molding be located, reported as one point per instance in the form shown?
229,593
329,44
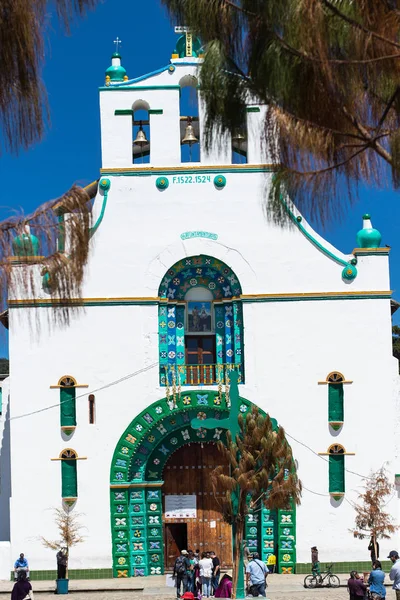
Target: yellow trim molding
333,382
339,454
77,458
361,251
136,485
25,259
240,167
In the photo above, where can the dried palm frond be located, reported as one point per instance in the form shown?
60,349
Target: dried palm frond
67,218
22,94
328,71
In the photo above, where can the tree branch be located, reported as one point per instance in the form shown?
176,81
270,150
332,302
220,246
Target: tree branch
357,25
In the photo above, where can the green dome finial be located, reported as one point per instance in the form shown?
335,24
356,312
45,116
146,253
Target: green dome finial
116,71
368,237
25,244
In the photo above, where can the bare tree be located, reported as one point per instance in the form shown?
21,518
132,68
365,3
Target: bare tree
69,529
371,518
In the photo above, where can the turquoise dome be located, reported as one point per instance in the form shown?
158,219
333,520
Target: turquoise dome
116,71
25,244
368,237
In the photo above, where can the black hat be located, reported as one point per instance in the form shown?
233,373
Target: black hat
393,554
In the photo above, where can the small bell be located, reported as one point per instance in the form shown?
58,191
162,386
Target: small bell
238,137
189,137
140,139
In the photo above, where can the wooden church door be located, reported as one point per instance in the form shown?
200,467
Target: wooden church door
187,473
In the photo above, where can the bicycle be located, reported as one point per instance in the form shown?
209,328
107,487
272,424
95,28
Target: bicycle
314,580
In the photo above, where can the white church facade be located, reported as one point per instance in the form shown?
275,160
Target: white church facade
191,286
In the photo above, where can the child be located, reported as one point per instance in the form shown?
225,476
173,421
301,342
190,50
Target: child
316,570
271,563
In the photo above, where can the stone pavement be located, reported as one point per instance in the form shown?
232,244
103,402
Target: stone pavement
280,587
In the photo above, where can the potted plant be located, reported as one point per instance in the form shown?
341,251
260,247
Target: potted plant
69,530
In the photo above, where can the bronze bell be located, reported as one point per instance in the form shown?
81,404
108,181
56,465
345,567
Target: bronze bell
238,137
140,139
189,137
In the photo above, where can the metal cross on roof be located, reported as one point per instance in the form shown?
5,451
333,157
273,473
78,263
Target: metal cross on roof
117,42
188,36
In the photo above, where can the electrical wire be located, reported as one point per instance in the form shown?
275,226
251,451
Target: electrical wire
143,370
103,387
322,457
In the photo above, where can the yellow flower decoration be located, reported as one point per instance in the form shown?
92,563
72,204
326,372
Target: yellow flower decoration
121,560
286,557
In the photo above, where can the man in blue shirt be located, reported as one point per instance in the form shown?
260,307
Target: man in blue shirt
256,574
21,564
394,574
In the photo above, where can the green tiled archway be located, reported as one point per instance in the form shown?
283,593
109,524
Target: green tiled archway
136,480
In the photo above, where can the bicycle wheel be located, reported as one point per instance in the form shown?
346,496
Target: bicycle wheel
310,581
333,581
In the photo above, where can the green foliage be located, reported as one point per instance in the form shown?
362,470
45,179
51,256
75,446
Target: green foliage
328,72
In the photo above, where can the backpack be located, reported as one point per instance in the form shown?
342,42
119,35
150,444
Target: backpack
180,565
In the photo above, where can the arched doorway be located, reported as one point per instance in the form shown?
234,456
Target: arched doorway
191,509
137,477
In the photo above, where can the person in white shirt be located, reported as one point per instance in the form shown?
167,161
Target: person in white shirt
206,567
394,574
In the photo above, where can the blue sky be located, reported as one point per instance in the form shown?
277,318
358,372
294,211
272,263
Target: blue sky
70,151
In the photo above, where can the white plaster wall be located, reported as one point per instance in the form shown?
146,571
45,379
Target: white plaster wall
145,225
289,346
5,561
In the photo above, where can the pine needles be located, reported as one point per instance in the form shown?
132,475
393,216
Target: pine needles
67,217
328,70
23,97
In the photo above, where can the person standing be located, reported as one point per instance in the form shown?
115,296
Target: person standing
181,567
375,582
206,566
315,569
394,574
216,572
62,561
22,588
21,564
374,549
356,586
256,575
191,572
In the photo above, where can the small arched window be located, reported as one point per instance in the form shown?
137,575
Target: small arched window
69,482
67,402
189,119
335,399
336,469
141,132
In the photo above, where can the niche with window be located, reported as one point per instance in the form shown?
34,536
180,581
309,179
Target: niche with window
335,382
336,469
67,403
141,132
69,481
201,324
189,119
